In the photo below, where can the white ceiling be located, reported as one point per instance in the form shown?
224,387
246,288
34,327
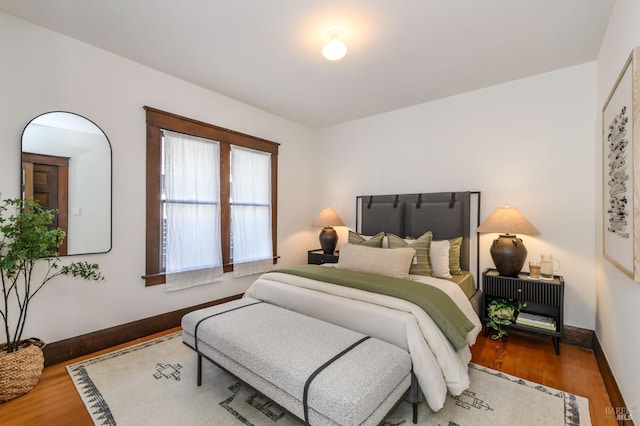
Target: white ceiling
266,53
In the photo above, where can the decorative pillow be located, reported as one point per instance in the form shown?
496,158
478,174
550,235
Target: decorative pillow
364,240
374,260
439,256
455,245
421,245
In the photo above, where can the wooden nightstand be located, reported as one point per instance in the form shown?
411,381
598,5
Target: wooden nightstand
543,297
317,257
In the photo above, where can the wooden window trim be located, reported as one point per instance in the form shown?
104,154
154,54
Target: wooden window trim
158,120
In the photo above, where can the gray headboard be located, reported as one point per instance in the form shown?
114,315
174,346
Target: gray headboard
446,214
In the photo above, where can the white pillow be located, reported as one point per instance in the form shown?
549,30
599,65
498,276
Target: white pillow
391,263
439,256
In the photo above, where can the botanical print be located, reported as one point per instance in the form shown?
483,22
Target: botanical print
618,176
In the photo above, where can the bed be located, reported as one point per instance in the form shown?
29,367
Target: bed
368,289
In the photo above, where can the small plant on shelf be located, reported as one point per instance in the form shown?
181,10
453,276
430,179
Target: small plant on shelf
502,312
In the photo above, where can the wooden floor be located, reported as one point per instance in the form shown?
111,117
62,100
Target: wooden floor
54,401
533,358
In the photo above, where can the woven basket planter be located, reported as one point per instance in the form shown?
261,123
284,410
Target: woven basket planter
20,371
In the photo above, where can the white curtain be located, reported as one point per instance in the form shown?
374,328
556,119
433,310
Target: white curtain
251,211
192,211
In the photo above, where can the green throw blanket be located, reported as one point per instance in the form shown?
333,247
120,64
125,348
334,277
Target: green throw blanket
435,302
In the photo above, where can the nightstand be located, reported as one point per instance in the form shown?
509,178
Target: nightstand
317,257
543,297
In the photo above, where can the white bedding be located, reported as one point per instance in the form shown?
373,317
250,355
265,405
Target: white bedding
436,364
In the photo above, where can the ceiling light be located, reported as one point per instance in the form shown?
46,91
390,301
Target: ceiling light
335,49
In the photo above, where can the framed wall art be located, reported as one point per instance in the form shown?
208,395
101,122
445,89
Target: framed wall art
621,170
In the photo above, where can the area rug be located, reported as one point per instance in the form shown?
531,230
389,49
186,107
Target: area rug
154,383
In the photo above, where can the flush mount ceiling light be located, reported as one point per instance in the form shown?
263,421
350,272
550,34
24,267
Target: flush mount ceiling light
334,49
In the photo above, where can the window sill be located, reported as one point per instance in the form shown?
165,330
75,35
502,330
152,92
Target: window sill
158,279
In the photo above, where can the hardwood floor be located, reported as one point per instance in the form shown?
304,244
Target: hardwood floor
533,358
54,401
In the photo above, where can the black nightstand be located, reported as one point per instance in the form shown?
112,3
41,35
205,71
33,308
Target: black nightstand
317,257
543,297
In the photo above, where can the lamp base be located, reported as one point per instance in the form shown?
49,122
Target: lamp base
328,240
508,254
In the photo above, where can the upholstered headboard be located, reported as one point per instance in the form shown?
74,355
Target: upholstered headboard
446,214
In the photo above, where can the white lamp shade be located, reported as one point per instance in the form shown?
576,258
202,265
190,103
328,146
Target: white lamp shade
328,217
507,220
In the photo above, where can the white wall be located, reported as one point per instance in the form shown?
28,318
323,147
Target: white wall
45,71
527,143
618,297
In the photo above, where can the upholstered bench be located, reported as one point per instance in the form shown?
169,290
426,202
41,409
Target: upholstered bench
321,373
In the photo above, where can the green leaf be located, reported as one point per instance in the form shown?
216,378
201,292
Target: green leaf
26,238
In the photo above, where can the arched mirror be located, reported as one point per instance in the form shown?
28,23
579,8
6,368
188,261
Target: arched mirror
66,165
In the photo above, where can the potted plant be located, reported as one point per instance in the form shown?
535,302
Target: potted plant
502,312
27,239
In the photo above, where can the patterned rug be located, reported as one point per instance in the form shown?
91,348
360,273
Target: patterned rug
153,383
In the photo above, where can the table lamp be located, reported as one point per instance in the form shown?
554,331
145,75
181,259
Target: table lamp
507,251
328,218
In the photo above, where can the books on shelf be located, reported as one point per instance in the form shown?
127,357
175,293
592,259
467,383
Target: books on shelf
538,321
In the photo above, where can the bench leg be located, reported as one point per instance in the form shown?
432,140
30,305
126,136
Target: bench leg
199,379
414,395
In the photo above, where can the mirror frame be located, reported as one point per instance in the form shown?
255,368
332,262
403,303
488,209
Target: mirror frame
110,159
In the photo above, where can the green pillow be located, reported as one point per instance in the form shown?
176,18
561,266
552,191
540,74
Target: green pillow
422,265
374,241
455,244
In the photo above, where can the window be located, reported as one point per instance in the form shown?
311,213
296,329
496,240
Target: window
190,206
250,209
236,179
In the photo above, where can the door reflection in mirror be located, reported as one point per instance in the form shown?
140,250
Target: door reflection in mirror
66,165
